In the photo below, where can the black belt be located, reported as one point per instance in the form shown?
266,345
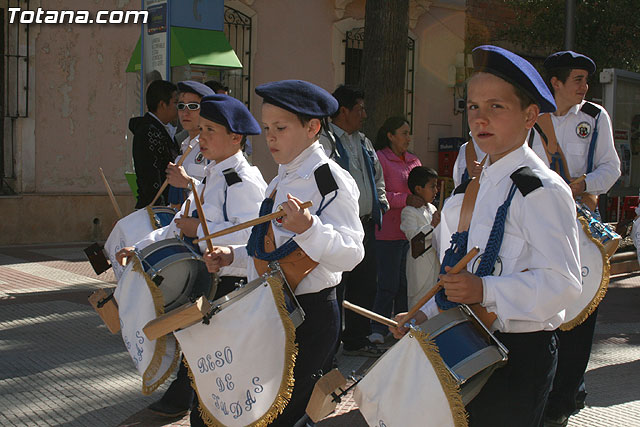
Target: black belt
366,219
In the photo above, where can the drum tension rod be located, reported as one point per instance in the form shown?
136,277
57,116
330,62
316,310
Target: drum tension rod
338,397
206,319
104,300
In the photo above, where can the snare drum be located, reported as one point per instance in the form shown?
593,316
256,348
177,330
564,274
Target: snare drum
133,228
469,350
177,271
602,232
296,314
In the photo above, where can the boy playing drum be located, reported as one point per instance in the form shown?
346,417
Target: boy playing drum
528,269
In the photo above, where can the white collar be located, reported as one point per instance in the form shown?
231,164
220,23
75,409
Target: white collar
496,172
306,162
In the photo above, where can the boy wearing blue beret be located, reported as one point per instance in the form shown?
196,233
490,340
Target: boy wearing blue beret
193,166
575,140
528,268
329,234
230,193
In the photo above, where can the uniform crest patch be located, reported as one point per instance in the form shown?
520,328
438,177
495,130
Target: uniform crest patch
583,129
497,268
199,158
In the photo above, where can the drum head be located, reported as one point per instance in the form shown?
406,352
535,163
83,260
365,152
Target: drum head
595,278
183,276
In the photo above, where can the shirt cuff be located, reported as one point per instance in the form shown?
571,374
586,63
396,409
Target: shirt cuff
308,233
488,292
430,309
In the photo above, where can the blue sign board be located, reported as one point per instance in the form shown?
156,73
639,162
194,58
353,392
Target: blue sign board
201,14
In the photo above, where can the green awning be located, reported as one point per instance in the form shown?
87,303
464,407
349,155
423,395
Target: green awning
134,62
195,47
201,47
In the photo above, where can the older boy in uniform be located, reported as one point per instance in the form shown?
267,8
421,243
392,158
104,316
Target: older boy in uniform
190,94
582,130
528,268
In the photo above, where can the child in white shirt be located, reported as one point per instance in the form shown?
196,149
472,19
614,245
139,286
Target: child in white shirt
422,271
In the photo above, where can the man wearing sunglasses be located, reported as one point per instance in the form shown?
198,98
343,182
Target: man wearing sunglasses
154,145
189,95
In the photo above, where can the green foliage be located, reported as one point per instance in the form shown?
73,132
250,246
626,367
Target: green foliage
606,31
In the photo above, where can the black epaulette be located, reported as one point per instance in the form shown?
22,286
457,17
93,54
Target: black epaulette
526,180
460,189
324,180
231,176
590,109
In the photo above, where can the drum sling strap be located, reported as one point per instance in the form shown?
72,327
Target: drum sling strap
555,155
294,262
459,239
470,157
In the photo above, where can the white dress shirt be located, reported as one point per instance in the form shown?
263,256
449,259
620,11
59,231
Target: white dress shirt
540,270
334,240
243,204
568,130
422,272
195,162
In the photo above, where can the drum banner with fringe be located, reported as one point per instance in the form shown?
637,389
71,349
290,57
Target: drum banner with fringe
410,386
595,277
139,302
241,363
127,232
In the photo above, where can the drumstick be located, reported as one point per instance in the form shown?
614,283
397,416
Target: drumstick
111,196
456,269
203,220
187,205
251,223
370,314
166,181
441,196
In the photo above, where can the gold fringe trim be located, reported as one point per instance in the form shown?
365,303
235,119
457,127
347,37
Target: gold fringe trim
161,343
287,382
449,385
152,218
602,289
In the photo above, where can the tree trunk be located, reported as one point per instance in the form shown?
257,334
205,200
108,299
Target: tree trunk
384,61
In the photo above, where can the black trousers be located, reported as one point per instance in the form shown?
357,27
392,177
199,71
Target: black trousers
316,338
574,349
358,286
515,394
180,394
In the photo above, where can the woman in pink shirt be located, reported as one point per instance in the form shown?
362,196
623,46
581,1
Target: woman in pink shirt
392,143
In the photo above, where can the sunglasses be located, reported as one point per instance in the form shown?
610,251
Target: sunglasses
193,106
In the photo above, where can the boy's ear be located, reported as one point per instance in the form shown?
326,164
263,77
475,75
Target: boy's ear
531,115
236,138
313,127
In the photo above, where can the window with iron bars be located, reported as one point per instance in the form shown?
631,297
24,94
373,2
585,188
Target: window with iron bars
237,28
14,75
354,43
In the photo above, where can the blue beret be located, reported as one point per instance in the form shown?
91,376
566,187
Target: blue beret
570,59
515,70
299,97
199,89
230,112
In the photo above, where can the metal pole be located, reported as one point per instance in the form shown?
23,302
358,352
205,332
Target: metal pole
570,24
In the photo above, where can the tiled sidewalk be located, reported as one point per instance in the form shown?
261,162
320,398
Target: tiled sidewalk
60,366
